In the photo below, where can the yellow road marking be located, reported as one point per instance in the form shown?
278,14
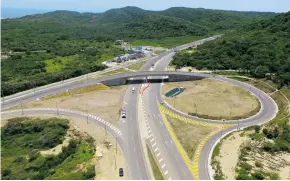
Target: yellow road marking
193,166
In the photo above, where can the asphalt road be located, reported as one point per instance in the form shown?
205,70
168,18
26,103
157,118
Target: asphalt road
175,164
267,112
130,129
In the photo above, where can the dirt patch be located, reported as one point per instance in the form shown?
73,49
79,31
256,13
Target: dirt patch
105,103
229,154
212,98
56,150
189,135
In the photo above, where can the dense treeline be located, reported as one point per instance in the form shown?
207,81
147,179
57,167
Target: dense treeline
261,49
43,31
86,39
25,71
22,139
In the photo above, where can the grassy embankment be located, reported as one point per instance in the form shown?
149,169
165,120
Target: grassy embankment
156,172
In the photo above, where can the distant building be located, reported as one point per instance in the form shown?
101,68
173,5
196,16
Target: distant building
119,42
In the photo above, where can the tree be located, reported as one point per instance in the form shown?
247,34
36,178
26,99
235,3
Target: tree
261,71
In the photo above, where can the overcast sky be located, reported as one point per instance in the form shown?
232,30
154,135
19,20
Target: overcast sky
103,5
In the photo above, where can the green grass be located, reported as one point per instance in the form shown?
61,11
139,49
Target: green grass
242,79
283,112
136,66
159,51
91,88
168,42
118,71
57,64
83,154
156,172
23,138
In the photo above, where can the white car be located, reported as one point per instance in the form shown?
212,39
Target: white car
133,89
123,113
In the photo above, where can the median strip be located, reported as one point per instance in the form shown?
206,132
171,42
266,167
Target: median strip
192,165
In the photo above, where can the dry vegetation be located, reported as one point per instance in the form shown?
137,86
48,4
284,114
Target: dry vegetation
99,100
189,135
213,99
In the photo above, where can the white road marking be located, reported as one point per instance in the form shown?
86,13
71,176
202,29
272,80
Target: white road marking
163,166
149,131
154,144
125,102
166,172
152,139
158,154
160,160
150,135
169,178
155,149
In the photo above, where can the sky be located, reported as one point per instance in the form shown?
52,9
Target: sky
103,5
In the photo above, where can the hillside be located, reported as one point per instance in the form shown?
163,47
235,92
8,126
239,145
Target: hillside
124,23
74,43
261,49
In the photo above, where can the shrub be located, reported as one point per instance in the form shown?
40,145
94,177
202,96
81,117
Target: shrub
265,131
274,176
33,155
243,177
246,166
258,176
257,129
6,172
258,164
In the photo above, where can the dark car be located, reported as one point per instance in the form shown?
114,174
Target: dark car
121,172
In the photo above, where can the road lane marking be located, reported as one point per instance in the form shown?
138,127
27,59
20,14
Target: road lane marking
154,144
152,140
156,149
166,172
193,167
158,154
160,160
163,166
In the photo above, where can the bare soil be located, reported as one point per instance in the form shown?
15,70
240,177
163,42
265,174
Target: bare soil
104,103
208,97
229,154
272,163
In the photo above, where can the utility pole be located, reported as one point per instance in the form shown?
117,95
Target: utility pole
230,110
115,162
21,107
2,95
221,134
174,100
56,108
62,80
116,146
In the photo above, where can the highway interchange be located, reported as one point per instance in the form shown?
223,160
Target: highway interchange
129,138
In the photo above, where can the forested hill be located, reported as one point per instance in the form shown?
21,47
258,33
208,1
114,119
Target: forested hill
44,30
261,49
